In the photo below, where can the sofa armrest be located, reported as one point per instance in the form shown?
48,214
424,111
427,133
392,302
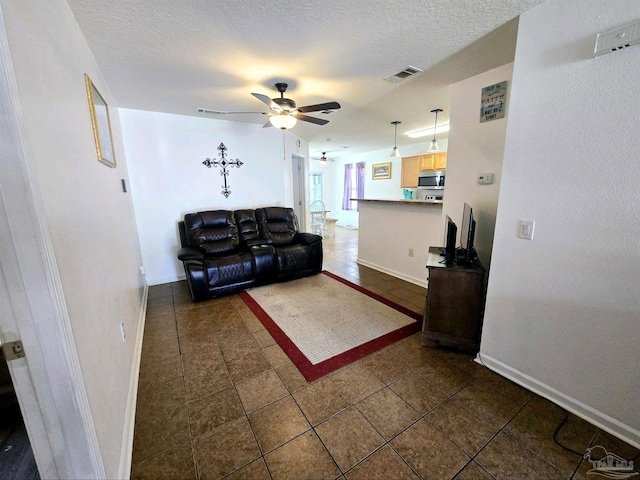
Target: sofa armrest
190,253
256,242
306,238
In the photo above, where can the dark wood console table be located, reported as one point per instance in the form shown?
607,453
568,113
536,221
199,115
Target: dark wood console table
455,304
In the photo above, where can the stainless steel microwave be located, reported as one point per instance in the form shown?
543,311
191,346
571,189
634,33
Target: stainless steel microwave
433,180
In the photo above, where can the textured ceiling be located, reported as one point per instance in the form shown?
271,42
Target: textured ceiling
174,56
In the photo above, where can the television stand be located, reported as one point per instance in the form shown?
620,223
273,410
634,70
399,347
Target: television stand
454,305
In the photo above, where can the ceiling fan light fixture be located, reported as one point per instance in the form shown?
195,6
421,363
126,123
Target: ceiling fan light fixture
395,152
433,147
283,120
323,158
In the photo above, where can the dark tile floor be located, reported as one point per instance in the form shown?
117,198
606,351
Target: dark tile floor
218,398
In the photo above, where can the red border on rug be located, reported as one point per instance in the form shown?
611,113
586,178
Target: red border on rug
313,372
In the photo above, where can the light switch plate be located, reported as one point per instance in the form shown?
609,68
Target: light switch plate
525,229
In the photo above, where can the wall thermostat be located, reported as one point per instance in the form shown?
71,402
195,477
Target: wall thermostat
485,178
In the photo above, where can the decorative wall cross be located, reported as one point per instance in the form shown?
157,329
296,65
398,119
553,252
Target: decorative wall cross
224,163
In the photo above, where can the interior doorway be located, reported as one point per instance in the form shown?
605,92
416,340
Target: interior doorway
16,455
298,183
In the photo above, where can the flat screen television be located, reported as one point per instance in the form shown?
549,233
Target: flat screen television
451,233
467,233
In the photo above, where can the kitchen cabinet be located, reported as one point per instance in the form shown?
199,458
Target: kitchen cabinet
418,163
426,162
440,161
410,169
433,161
454,305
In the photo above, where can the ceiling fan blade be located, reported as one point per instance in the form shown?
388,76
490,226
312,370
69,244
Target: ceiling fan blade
317,121
267,125
267,101
221,112
319,107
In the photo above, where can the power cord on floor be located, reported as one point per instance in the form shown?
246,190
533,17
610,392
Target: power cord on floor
555,436
555,433
555,439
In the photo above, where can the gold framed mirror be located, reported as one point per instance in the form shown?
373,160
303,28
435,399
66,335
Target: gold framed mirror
101,123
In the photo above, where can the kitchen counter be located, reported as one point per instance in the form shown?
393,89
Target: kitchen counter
394,236
433,203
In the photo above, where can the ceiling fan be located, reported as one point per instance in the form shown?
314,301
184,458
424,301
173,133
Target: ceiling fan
284,114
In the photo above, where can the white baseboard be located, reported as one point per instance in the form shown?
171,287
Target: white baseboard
166,279
599,419
417,281
130,415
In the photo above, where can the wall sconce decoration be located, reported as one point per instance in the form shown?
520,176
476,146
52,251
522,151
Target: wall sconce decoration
224,163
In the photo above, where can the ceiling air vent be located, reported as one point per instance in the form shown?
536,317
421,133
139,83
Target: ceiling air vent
617,38
402,75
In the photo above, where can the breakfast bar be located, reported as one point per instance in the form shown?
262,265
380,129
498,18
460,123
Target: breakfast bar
394,236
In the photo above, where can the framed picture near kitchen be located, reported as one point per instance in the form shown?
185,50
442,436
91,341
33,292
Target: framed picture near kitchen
101,124
381,171
492,102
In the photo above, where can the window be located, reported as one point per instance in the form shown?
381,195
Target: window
315,187
353,185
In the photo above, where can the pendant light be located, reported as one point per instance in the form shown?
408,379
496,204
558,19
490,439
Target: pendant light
323,158
395,152
434,143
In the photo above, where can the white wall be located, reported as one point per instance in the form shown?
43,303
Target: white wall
388,189
388,231
90,220
475,148
168,178
563,310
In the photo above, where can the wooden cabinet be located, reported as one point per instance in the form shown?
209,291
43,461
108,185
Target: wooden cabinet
410,169
440,161
433,161
454,305
412,165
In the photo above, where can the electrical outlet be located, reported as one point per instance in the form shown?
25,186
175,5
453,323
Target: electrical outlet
124,336
411,252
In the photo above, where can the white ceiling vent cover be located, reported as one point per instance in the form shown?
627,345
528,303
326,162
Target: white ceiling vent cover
617,38
402,75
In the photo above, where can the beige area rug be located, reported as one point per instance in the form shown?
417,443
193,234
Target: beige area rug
324,322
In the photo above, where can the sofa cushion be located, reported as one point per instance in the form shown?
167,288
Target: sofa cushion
229,270
292,258
214,232
277,224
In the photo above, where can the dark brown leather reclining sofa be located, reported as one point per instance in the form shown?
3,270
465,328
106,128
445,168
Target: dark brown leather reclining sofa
226,251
